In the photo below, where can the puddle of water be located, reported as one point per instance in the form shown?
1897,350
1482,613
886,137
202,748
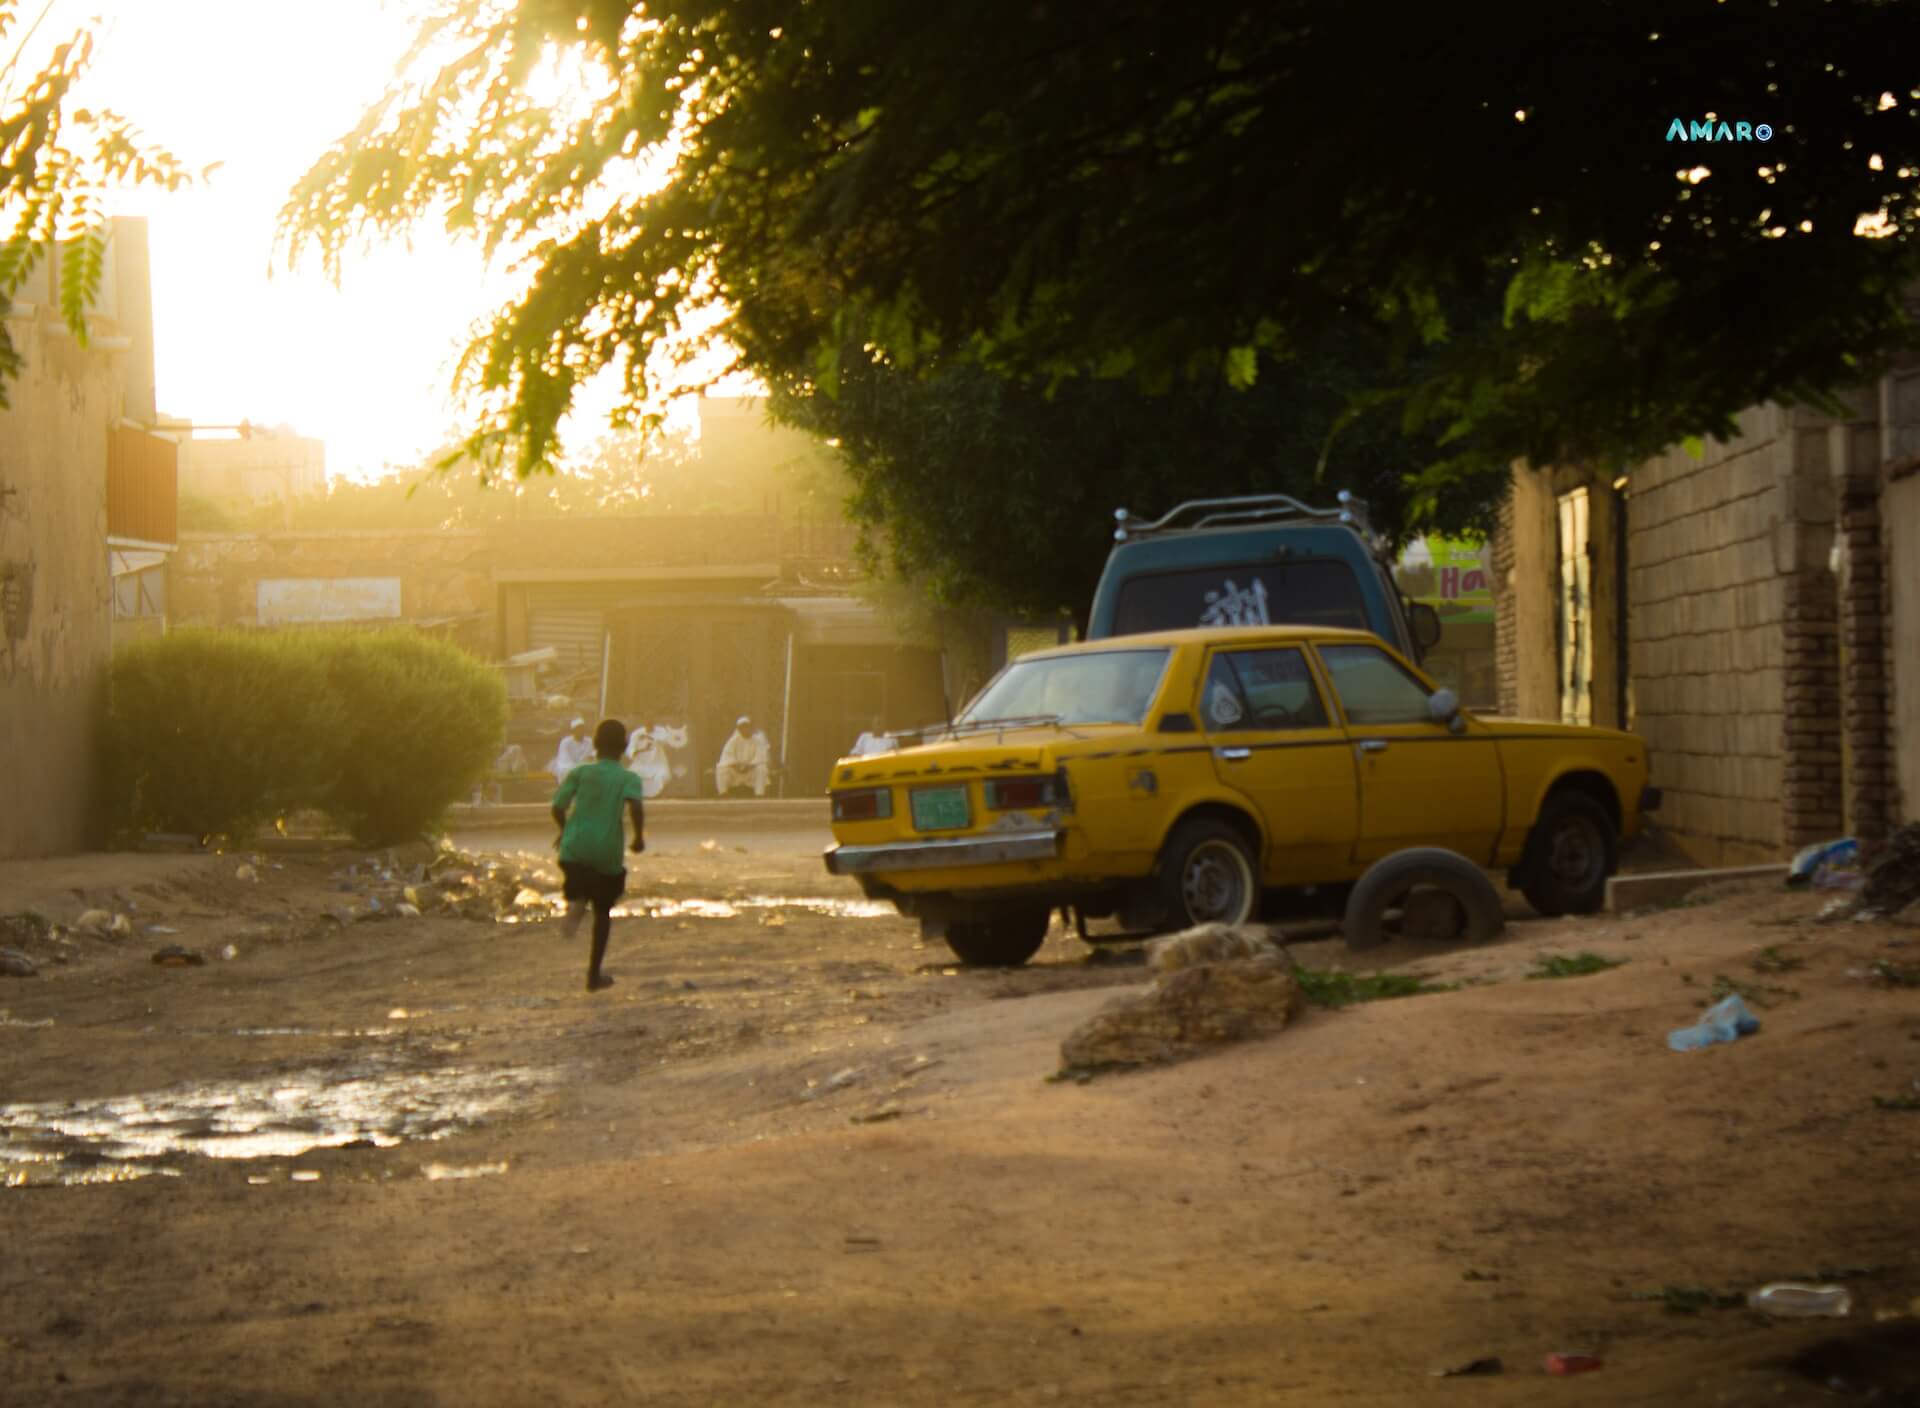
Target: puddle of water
532,908
436,1173
131,1136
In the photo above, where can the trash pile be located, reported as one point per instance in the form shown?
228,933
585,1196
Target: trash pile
1879,881
490,889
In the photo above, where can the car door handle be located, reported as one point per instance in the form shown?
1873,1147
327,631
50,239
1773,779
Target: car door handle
1234,755
1373,745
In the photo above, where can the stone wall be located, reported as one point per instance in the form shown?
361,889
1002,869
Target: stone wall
55,593
1712,543
214,578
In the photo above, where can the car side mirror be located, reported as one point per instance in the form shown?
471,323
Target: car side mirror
1443,707
1424,622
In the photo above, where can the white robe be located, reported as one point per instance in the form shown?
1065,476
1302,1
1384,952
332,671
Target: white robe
573,752
871,743
647,760
744,762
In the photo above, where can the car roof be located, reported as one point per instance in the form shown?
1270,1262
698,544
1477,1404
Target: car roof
1210,635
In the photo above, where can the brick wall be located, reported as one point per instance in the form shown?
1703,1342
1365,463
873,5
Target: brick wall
1864,609
1711,545
1506,639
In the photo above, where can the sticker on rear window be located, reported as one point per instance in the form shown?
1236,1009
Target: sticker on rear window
1233,605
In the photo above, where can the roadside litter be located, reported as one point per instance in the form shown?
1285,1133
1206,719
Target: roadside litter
1727,1020
15,964
1472,1368
1572,1363
1790,1300
174,956
1830,865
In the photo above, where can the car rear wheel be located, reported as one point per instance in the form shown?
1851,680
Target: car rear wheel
1570,853
1207,875
1004,938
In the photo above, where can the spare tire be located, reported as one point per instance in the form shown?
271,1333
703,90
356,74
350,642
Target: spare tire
1392,876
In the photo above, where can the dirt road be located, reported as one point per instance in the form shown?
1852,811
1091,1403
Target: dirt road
795,1157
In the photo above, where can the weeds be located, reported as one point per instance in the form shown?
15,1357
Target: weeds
1759,994
1572,965
1327,987
1896,1102
1691,1300
1887,973
1772,960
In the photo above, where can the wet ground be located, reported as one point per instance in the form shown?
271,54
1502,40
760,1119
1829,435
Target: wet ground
797,1156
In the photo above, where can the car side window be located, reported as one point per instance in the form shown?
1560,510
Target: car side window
1373,687
1257,689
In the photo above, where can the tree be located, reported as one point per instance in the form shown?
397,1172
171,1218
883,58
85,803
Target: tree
55,160
1172,193
995,494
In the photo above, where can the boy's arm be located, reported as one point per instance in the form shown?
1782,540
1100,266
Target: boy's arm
639,817
560,800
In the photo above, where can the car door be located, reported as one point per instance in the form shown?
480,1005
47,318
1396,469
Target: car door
1420,783
1275,740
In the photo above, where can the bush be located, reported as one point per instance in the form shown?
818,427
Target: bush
422,721
216,732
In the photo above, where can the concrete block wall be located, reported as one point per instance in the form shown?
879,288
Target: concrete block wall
1711,549
55,591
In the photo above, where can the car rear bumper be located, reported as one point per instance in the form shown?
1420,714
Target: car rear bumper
942,855
1649,799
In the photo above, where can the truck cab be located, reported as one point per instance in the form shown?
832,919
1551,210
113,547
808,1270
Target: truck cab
1258,560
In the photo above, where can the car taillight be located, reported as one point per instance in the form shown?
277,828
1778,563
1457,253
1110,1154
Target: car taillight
1005,794
864,804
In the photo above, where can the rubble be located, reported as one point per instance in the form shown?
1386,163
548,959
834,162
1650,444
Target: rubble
15,964
1206,1003
1893,876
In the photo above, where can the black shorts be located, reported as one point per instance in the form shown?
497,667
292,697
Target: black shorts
594,886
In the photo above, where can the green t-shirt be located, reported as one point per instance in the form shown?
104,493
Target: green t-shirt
594,796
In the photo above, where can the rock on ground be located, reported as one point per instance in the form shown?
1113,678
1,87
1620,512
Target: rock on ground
1188,1010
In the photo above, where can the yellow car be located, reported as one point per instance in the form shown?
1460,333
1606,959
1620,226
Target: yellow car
1172,778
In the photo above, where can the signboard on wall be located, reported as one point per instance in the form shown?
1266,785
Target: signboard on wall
286,600
1450,574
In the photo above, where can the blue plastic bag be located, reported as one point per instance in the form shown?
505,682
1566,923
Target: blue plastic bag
1833,855
1727,1020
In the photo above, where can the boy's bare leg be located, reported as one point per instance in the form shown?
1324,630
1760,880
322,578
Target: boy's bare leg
602,927
576,911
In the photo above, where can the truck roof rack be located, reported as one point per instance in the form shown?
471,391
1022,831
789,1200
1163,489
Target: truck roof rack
1196,514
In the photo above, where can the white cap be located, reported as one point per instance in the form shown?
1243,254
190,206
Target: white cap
743,719
578,723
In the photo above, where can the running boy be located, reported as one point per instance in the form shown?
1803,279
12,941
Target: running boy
587,811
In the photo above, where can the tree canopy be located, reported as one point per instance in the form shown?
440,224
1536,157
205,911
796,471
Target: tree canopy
55,161
1172,194
993,493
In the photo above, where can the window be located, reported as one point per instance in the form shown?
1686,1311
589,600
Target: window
1373,688
1252,689
1320,592
1100,687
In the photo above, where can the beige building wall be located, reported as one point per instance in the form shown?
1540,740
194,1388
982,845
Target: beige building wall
263,466
1525,643
1711,543
55,592
1900,520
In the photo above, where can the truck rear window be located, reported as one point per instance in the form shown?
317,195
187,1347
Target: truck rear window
1322,592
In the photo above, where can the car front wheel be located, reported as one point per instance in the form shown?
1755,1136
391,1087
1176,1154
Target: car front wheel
1207,875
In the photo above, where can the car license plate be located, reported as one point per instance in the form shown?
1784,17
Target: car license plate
940,809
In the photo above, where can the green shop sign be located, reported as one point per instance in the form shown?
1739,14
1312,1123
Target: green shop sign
1451,575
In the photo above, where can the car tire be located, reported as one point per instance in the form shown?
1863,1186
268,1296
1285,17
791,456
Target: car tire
1005,938
1207,875
1393,876
1571,850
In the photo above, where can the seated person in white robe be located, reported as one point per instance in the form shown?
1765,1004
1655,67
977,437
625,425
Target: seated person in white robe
647,760
744,762
576,748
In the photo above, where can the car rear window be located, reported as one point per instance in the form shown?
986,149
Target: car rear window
1319,592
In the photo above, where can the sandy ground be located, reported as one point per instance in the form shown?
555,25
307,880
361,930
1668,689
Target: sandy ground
678,1192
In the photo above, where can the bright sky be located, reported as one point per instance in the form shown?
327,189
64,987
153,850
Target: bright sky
263,86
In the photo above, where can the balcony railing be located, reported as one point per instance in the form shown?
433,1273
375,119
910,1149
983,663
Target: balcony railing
143,488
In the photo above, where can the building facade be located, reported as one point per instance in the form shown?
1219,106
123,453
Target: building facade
1749,607
83,483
